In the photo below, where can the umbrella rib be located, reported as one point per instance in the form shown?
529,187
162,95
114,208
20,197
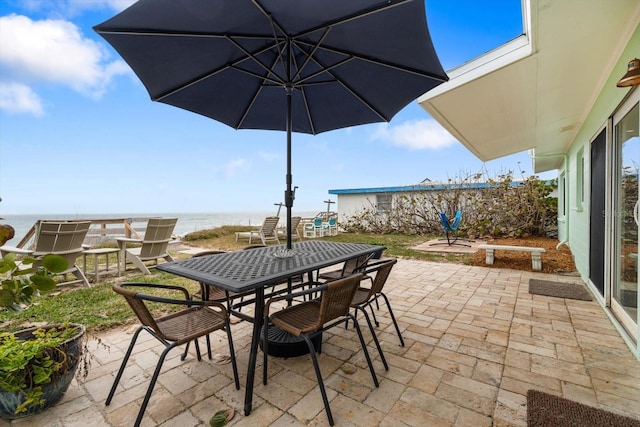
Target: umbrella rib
220,69
310,54
158,33
355,16
378,62
252,56
255,96
304,94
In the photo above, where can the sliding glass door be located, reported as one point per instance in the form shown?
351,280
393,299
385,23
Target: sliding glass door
624,286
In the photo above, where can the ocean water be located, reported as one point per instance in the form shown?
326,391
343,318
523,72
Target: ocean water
187,222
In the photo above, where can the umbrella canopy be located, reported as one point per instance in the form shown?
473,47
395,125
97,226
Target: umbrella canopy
296,65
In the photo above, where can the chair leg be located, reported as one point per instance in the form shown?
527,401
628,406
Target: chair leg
232,353
316,367
364,349
395,323
375,338
138,263
265,349
124,362
186,349
154,378
373,314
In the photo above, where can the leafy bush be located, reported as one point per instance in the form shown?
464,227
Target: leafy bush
499,207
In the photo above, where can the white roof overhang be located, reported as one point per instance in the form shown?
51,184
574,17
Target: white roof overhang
535,91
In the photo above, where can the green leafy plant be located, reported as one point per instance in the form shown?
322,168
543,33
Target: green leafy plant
32,361
21,280
221,418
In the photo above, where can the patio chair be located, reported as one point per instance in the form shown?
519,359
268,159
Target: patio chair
63,238
153,245
309,319
350,266
267,232
364,297
295,222
451,230
314,229
210,292
331,227
195,319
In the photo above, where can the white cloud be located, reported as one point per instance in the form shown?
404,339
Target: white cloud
54,51
268,157
17,98
232,168
73,7
416,135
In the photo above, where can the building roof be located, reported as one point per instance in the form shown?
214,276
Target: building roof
418,187
536,91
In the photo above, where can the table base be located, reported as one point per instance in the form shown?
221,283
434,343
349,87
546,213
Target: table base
283,344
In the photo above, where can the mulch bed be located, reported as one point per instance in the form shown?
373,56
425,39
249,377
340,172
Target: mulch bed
553,260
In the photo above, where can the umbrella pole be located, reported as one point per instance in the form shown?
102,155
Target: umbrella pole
289,195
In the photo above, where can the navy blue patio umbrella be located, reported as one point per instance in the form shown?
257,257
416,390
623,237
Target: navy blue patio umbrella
305,66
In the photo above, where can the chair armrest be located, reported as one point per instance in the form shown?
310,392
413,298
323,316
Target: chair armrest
319,288
15,250
122,242
370,270
187,301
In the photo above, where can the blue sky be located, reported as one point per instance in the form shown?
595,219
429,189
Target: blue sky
79,134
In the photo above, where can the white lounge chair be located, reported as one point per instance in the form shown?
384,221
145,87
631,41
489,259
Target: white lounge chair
267,232
295,222
153,245
63,238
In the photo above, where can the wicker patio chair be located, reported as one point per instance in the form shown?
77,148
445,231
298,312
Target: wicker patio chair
350,266
364,297
309,319
196,319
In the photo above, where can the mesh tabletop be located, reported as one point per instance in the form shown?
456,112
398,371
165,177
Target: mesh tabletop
246,270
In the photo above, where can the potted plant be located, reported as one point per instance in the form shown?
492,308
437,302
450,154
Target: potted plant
36,364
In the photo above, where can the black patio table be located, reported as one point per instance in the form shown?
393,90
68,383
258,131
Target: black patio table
254,270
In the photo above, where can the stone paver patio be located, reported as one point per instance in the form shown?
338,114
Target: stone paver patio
476,341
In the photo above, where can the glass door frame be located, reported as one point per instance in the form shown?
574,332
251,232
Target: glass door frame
630,324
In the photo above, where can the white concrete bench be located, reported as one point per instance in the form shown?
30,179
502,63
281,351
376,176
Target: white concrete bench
536,253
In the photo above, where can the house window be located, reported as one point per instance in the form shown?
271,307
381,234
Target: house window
383,203
580,180
562,191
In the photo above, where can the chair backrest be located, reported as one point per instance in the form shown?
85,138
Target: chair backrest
456,221
445,221
157,237
295,221
453,226
63,238
169,331
355,265
269,225
332,222
382,274
317,222
336,298
138,306
60,237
